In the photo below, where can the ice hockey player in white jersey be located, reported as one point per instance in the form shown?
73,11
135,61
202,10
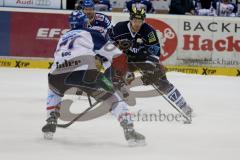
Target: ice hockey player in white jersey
74,66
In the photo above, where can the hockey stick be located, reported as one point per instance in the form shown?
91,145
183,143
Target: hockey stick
188,119
80,115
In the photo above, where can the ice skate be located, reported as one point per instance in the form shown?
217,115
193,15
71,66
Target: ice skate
187,110
133,138
50,128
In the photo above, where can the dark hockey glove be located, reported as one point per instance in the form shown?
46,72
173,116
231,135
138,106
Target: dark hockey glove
153,74
148,78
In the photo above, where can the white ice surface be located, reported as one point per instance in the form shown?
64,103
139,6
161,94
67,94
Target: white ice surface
213,135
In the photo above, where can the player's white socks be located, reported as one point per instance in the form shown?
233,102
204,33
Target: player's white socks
53,103
120,110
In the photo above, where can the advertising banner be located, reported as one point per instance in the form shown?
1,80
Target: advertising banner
36,34
209,41
5,33
184,40
56,4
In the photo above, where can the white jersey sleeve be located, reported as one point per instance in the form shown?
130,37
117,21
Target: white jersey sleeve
109,51
76,50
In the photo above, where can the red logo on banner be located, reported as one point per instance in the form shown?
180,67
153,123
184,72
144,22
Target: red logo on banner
167,37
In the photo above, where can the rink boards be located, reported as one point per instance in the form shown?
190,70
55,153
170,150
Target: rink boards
47,63
189,44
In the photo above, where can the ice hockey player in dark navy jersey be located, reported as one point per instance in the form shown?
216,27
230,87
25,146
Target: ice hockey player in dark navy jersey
134,42
139,41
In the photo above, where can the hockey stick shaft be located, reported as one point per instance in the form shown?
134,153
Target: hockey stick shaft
189,120
78,116
172,104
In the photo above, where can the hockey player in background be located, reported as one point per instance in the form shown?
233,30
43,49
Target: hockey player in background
146,4
98,21
140,43
74,66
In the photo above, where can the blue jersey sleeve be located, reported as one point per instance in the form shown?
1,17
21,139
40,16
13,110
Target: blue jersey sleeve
98,40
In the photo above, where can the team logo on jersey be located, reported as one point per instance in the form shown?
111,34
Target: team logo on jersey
67,64
151,37
166,35
139,41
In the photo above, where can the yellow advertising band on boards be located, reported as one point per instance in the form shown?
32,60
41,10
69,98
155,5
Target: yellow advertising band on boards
25,63
46,64
205,70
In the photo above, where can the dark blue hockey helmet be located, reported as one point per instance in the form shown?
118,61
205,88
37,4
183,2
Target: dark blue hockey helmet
78,20
88,4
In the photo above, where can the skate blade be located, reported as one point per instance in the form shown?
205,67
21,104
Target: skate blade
48,135
190,113
187,122
134,143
